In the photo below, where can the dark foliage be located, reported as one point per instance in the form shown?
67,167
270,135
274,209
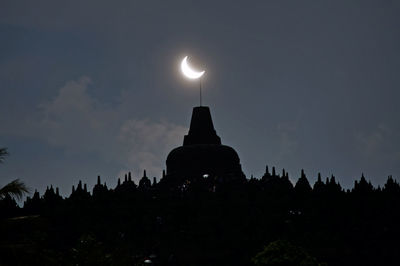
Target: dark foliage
282,253
3,154
15,188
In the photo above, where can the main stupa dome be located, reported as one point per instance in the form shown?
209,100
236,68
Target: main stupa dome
202,153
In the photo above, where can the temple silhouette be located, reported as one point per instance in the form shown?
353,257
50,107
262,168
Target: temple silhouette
204,211
202,154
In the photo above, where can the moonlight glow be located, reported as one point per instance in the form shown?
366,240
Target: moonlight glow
188,72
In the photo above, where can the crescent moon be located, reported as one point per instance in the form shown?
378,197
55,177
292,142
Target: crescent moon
189,72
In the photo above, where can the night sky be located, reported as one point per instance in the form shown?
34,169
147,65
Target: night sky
94,87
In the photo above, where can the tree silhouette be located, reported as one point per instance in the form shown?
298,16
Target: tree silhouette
15,188
3,154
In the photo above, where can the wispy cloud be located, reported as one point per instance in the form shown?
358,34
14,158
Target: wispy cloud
379,143
81,124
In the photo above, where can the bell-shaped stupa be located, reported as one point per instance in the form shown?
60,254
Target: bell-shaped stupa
202,154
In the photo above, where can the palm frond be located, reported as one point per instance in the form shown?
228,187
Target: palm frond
3,154
15,189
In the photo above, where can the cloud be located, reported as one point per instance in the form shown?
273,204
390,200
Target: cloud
80,124
379,143
372,142
147,143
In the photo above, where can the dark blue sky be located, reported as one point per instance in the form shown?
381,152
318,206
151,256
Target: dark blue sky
94,88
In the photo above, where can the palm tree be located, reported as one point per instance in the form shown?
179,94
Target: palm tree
3,154
15,188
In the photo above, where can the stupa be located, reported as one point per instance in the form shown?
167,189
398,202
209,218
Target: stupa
202,154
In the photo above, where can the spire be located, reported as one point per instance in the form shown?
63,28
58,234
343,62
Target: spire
144,173
273,171
98,180
201,128
126,178
119,182
36,195
129,176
